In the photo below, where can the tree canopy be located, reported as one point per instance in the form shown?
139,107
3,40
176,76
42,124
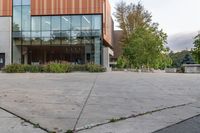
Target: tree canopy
180,58
196,50
143,42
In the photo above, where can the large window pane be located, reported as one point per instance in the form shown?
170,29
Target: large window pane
26,2
35,34
26,41
17,2
66,20
36,23
17,41
56,37
17,34
46,34
86,22
26,34
86,37
76,23
36,41
56,23
46,23
46,41
26,18
76,37
96,22
17,18
65,37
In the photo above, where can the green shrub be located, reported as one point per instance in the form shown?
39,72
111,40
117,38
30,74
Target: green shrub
33,68
15,68
95,68
79,68
57,68
53,68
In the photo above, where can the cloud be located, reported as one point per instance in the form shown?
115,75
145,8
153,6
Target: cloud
181,41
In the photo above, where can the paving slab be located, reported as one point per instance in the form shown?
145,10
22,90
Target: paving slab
12,124
52,100
191,125
56,100
151,122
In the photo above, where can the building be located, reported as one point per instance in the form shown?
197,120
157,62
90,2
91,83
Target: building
117,45
41,31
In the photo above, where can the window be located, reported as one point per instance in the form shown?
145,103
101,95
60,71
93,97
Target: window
26,18
76,23
76,37
26,34
17,2
86,22
46,41
55,23
65,22
46,23
65,37
56,37
17,18
36,23
26,2
96,22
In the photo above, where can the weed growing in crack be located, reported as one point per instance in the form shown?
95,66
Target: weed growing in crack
36,126
69,131
113,120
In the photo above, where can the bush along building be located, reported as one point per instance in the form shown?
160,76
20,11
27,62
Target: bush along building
42,31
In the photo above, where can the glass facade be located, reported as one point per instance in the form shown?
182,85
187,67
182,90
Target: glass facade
68,31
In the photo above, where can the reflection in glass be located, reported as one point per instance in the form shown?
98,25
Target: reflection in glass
76,23
86,37
66,21
26,34
26,41
56,37
76,37
65,37
56,23
36,41
17,41
26,17
46,34
86,22
46,41
96,22
17,2
46,23
17,34
17,18
36,23
26,2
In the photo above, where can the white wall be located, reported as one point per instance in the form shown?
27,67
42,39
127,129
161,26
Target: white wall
5,38
106,56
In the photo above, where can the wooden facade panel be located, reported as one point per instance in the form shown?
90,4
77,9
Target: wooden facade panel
108,24
5,7
58,7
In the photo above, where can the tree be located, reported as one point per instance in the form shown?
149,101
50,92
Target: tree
180,58
143,42
196,50
144,49
130,17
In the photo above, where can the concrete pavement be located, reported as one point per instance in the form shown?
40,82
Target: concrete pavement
60,102
12,124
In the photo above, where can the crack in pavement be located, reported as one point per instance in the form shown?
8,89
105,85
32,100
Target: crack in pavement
89,94
129,117
25,120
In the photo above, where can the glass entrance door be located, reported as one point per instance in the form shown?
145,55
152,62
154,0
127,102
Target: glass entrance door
2,60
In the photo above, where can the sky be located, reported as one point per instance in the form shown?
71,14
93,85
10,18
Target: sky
174,16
